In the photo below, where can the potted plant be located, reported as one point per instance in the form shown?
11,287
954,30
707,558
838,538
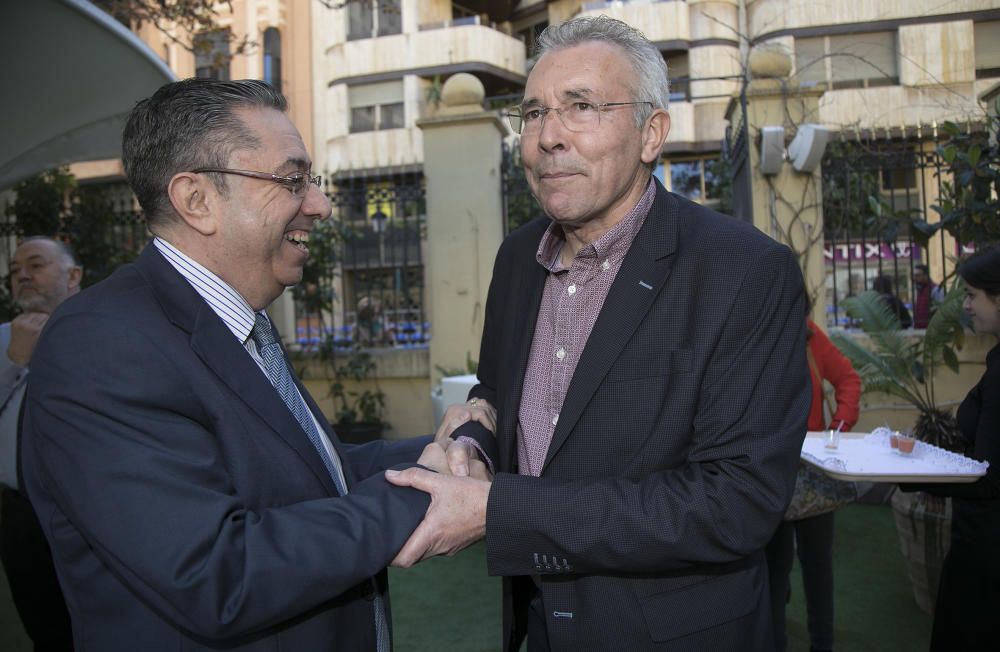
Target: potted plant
903,365
359,411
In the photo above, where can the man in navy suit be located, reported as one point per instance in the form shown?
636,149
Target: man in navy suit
646,360
193,494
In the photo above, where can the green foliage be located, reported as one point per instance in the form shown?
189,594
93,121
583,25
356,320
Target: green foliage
53,205
719,183
520,206
970,190
41,202
316,294
903,365
358,365
848,190
471,366
98,235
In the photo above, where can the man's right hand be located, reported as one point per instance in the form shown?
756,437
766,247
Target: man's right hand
24,332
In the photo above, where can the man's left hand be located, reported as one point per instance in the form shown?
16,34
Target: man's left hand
455,519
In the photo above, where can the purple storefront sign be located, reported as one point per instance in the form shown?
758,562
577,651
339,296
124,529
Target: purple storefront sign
857,251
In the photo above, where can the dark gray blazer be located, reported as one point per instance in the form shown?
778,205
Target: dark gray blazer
676,448
185,506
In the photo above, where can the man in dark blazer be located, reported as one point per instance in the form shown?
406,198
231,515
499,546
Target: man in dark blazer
193,494
646,360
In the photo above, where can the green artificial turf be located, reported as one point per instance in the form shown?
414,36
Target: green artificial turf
450,603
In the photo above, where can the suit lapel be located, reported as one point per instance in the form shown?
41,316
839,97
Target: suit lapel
640,279
527,288
214,343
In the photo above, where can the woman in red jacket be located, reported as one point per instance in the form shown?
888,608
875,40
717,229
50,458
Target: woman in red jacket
813,536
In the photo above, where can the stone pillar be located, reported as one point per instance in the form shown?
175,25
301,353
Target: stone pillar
787,206
462,165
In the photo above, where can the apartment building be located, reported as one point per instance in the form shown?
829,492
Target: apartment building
279,51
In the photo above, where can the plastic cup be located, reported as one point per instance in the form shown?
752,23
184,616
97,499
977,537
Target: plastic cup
906,445
894,440
832,439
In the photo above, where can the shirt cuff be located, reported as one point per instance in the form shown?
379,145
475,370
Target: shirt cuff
482,455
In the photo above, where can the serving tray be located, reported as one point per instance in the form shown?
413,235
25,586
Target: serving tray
869,457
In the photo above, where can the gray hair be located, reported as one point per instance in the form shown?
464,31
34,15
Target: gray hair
647,62
70,259
187,125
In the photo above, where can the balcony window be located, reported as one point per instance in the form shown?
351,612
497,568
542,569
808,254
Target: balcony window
848,60
987,37
391,116
377,106
677,69
211,55
370,18
272,57
363,119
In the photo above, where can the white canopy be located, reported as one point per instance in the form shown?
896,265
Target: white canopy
71,77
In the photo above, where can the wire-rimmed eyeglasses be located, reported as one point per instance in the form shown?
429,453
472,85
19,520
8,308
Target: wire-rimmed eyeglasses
297,183
575,116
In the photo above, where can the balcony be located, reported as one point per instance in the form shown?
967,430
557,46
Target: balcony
438,48
661,21
391,148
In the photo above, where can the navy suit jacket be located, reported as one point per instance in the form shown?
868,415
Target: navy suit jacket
676,447
185,506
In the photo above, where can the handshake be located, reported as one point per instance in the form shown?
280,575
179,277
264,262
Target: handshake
459,489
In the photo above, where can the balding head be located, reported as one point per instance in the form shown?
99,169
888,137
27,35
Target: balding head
43,274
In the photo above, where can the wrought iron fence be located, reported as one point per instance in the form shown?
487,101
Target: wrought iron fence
366,286
875,185
370,291
519,205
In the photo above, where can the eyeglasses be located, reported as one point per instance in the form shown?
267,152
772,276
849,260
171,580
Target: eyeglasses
297,183
575,116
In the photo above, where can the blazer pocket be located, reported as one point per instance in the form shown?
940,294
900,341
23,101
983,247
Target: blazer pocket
697,607
632,366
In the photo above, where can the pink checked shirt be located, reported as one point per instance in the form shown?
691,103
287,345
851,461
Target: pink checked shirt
571,301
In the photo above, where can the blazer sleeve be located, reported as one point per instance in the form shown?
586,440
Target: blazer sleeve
126,457
718,504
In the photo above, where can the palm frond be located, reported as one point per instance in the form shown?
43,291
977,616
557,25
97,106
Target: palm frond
944,331
895,362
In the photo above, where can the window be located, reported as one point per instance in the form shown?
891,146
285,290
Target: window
377,106
677,69
696,179
211,58
369,18
391,116
272,57
987,37
848,60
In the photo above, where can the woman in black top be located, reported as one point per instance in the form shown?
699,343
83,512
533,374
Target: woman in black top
968,601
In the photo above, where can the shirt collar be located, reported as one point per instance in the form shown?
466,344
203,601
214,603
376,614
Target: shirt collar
228,304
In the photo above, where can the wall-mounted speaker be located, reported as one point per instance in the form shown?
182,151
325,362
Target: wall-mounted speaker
806,149
772,149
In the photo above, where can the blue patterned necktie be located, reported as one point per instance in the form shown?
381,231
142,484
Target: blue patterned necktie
281,378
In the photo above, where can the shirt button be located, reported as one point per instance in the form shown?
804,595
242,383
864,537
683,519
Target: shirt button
606,265
555,419
571,289
561,353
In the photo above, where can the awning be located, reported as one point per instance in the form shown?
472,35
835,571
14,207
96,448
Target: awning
73,73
